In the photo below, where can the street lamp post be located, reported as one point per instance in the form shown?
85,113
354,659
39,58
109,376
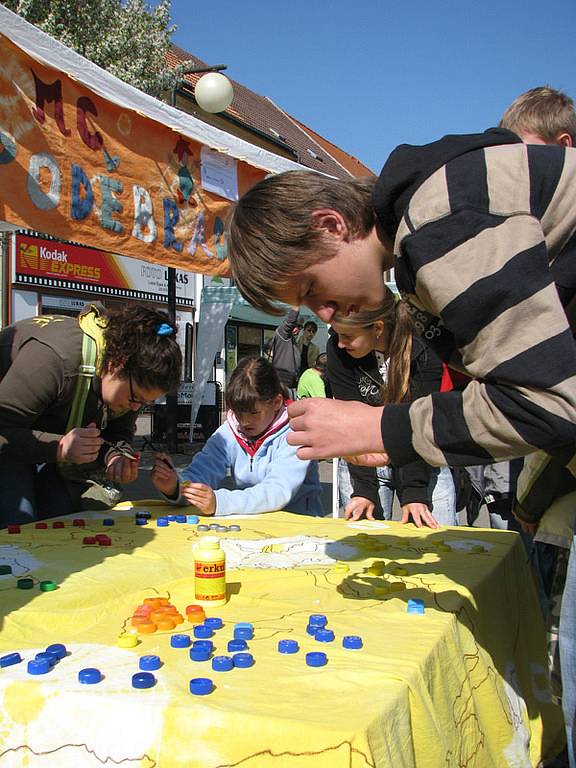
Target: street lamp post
213,93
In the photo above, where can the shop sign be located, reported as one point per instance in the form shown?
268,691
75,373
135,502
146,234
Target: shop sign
52,264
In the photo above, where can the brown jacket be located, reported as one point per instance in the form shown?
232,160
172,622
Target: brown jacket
39,362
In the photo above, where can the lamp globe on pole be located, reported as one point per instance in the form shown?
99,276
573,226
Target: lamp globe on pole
214,92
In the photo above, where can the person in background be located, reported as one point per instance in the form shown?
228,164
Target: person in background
542,115
285,353
311,382
70,393
308,350
266,472
375,357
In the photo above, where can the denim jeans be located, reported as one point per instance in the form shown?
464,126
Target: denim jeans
568,653
30,494
441,487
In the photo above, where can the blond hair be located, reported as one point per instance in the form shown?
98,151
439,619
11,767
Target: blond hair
272,236
398,322
542,111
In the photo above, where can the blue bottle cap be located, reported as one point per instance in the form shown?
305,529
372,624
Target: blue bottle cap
243,625
172,518
141,521
180,518
415,605
144,513
237,645
58,648
200,654
201,686
9,659
192,519
202,631
180,641
222,663
149,663
143,680
288,646
108,521
89,676
51,658
324,636
162,522
215,622
207,645
38,667
203,528
243,660
316,659
318,620
243,633
234,528
311,629
353,642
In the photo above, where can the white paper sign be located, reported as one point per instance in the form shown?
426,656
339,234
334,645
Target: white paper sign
219,173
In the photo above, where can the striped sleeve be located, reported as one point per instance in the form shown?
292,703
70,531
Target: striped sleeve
474,261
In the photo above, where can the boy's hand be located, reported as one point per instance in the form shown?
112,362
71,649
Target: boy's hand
163,475
368,459
327,428
200,496
80,446
121,469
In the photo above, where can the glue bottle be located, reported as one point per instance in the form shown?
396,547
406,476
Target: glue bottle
209,572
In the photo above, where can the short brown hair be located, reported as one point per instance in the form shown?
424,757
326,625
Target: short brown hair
543,111
253,380
272,236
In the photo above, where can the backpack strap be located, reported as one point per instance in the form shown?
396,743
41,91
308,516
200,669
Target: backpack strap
86,371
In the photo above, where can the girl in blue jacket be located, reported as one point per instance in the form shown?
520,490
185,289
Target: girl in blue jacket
266,472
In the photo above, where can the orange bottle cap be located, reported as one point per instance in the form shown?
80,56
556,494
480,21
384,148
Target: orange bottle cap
147,628
165,624
194,609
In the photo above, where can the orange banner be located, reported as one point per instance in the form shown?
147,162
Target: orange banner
79,167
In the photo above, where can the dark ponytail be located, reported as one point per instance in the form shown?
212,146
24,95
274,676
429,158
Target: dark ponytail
142,341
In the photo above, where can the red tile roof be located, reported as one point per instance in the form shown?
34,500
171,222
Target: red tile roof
273,128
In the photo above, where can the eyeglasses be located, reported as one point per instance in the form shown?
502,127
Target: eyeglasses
134,400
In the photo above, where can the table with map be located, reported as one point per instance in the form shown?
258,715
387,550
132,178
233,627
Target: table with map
462,684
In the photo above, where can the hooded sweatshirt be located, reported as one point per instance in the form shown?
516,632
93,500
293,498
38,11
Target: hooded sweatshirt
485,258
266,472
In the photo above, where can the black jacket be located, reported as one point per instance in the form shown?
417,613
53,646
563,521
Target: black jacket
359,379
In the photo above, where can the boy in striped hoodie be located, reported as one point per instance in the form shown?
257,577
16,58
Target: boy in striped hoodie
481,231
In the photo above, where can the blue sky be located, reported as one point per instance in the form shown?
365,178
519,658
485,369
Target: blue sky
369,75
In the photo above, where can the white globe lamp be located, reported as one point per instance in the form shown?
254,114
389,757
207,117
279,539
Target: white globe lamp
214,92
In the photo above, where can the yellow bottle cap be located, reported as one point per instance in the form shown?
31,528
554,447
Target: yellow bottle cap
127,641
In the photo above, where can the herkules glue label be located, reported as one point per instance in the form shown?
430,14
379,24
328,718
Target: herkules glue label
209,572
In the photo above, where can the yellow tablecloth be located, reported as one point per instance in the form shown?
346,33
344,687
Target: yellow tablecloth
462,685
